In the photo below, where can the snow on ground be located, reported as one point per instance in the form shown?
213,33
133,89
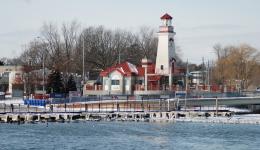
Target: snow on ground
236,119
232,109
12,101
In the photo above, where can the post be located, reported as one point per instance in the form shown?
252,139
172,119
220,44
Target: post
4,108
160,108
186,84
142,104
43,74
28,107
12,108
216,106
127,103
83,61
86,107
168,104
145,82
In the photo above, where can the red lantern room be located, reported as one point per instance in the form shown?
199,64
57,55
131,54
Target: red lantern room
167,20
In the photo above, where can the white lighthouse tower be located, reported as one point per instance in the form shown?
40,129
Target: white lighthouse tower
166,47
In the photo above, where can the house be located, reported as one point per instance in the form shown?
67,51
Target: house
11,80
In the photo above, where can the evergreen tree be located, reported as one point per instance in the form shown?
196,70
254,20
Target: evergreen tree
71,84
54,84
2,63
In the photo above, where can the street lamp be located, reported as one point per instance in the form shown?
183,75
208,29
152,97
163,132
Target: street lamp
83,60
43,66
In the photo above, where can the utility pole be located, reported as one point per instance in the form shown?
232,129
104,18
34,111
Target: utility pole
83,61
208,73
43,65
119,57
186,84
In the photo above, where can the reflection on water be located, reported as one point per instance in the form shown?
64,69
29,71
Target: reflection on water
129,135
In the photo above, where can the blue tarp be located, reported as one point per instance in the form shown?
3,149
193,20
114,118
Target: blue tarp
35,102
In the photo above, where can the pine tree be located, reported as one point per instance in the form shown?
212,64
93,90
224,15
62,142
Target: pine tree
71,84
54,84
2,63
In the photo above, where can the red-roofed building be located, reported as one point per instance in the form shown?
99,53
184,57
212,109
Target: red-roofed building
127,79
146,79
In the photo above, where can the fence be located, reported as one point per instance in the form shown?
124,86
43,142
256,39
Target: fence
97,106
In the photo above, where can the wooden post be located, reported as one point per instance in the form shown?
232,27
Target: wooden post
86,107
28,107
12,108
216,106
168,104
80,107
134,105
127,103
160,108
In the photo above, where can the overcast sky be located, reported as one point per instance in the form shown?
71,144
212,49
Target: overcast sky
199,24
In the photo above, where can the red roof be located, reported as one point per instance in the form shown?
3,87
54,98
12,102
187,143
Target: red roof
128,69
166,16
125,68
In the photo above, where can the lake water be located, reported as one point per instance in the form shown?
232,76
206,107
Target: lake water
130,135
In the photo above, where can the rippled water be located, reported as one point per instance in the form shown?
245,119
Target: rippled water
129,135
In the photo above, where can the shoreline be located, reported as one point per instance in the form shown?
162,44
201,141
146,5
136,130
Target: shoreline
174,116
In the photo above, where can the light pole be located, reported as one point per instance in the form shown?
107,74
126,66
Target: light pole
43,82
43,66
83,65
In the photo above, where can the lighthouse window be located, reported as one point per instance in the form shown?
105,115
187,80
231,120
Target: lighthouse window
161,67
171,41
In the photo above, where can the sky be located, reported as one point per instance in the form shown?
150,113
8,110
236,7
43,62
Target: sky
199,24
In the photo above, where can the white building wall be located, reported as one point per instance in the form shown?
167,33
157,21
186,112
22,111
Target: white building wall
165,52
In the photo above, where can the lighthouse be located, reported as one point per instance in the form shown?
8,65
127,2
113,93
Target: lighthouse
166,47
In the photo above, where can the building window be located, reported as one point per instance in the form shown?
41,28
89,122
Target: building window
171,41
140,82
114,82
161,67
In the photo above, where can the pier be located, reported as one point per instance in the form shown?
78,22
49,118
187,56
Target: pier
115,116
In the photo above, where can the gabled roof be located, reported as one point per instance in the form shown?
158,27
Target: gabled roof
125,68
166,16
128,69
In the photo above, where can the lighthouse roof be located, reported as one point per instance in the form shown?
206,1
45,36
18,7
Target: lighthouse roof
166,16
